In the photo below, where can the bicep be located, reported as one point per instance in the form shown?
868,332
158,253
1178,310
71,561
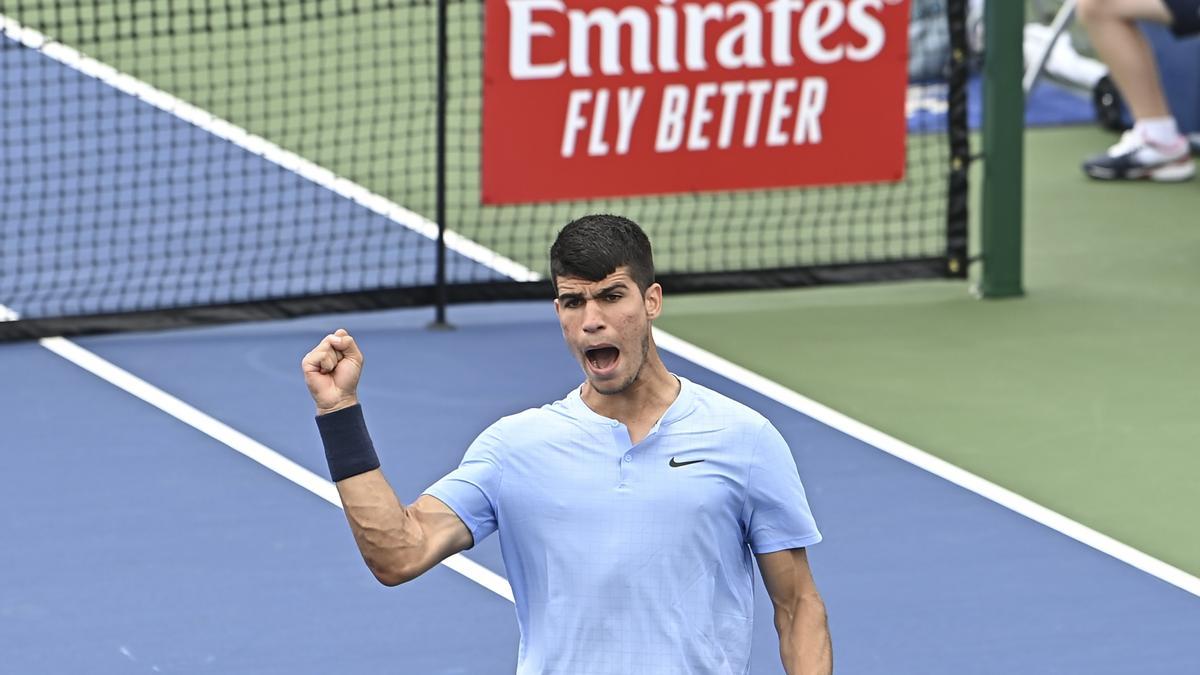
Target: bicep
444,532
787,576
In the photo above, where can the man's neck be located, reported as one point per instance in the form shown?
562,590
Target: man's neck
640,405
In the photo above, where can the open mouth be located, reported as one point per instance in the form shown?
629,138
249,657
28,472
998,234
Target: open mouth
602,359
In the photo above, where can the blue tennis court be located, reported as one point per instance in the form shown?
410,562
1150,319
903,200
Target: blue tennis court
200,220
135,543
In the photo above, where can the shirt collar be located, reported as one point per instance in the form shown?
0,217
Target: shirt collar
680,408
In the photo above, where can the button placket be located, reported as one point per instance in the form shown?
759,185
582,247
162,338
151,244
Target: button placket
625,459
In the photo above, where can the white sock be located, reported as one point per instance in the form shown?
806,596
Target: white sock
1159,130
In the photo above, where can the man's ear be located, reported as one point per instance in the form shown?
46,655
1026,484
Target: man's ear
653,298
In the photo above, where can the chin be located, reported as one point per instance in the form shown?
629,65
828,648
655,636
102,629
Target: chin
607,390
610,386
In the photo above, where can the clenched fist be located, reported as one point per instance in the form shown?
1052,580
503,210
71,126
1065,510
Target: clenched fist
331,371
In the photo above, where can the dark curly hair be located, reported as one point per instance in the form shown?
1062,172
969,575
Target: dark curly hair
594,246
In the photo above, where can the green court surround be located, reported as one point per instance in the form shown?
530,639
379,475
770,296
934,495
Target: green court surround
1083,396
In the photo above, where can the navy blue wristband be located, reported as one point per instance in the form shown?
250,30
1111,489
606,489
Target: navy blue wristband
348,447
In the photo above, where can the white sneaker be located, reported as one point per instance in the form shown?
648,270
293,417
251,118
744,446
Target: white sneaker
1135,158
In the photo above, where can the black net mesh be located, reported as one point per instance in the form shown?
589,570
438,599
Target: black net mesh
169,161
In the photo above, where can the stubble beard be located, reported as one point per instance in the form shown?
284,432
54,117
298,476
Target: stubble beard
621,387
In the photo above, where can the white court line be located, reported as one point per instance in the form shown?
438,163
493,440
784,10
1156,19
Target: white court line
508,267
921,459
242,443
753,381
309,170
262,147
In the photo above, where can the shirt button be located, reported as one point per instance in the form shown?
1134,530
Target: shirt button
628,458
615,424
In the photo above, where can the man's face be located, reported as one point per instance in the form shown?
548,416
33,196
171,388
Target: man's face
606,325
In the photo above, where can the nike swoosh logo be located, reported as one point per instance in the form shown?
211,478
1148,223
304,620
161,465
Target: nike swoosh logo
675,463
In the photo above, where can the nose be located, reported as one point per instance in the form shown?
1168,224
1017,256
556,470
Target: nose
593,319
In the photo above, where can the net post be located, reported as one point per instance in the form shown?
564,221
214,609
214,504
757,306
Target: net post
440,295
1003,138
958,135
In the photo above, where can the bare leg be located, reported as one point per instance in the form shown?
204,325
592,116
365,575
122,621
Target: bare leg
1123,47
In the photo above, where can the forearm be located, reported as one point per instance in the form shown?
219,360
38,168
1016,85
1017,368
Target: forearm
390,539
388,535
804,643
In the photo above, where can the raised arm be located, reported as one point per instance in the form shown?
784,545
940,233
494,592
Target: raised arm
398,543
804,644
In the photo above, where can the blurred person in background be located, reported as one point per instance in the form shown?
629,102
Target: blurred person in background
1154,148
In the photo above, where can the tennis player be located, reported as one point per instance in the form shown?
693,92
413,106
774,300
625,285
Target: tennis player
629,511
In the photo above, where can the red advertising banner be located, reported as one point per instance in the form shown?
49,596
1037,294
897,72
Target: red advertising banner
599,98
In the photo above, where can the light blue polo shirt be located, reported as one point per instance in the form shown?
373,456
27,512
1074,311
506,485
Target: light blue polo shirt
633,559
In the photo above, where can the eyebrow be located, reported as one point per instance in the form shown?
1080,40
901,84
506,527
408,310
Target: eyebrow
618,286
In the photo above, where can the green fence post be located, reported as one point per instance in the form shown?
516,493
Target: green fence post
1003,139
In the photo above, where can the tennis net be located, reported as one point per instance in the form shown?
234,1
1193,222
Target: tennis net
170,162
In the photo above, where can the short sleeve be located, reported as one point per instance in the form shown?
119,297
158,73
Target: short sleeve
776,513
472,490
